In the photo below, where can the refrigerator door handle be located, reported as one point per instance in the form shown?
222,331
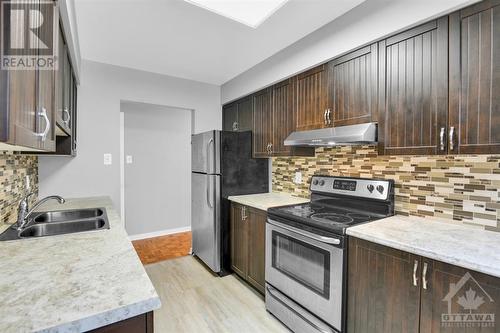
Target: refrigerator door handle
208,192
208,155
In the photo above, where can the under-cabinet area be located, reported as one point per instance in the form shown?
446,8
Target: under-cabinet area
269,166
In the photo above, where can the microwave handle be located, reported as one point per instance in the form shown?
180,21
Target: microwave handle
323,239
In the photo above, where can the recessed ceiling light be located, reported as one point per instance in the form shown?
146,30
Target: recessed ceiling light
248,12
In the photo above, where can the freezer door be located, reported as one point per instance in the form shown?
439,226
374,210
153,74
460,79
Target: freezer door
205,223
205,152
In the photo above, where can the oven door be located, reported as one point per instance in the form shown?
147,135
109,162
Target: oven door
307,268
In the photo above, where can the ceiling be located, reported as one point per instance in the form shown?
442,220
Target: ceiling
177,38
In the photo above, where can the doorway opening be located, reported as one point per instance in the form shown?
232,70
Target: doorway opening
155,163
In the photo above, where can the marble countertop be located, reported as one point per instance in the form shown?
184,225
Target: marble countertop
456,244
264,201
74,282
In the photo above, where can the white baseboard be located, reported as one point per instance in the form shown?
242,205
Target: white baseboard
159,233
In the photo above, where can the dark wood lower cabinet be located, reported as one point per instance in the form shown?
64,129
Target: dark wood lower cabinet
394,291
381,295
138,324
247,235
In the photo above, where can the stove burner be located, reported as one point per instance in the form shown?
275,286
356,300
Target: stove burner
300,210
331,217
359,216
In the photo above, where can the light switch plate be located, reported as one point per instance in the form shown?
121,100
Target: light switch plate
298,177
108,159
129,159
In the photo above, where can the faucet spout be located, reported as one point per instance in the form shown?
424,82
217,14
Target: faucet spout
24,213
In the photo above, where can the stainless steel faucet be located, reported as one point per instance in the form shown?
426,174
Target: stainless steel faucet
24,212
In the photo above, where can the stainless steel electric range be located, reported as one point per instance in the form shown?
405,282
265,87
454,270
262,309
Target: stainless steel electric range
306,250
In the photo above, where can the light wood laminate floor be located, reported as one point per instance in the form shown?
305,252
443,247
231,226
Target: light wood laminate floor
195,300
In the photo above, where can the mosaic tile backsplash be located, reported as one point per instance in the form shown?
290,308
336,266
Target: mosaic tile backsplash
13,171
460,189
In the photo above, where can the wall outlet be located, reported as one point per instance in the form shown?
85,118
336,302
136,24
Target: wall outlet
108,159
298,177
129,159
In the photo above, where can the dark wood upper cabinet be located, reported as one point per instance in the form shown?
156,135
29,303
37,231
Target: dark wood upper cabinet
237,116
262,123
256,248
312,99
352,87
474,107
382,295
413,91
283,115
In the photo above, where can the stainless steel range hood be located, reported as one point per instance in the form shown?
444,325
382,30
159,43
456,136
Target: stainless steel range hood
334,136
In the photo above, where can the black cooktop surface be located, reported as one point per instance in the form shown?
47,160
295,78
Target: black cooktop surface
321,214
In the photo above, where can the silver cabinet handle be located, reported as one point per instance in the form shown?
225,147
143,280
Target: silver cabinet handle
328,113
66,112
424,276
323,239
208,154
235,126
241,213
452,134
441,138
415,267
270,149
244,213
324,117
43,114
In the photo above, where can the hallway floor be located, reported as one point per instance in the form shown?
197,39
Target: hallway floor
194,300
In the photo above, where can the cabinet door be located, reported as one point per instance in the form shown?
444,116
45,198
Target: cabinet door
283,115
312,99
239,241
46,87
474,107
450,289
257,248
230,117
352,87
22,98
413,93
67,93
245,114
383,296
59,95
262,123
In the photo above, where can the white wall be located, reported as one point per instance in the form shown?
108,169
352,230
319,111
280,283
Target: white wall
158,181
102,89
368,22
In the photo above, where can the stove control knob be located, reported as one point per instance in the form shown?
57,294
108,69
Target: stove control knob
315,182
370,188
380,188
321,182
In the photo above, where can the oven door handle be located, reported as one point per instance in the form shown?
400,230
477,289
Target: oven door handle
323,239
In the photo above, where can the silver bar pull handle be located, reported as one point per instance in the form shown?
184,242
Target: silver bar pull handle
441,138
270,149
208,154
324,117
415,268
323,239
43,114
209,203
452,136
424,276
328,114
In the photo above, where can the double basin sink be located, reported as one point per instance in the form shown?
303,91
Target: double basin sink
60,222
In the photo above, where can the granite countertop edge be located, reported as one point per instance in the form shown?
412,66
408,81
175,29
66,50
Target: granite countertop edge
67,281
264,201
455,244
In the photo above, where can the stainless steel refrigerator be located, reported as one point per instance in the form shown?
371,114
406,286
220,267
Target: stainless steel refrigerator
221,165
